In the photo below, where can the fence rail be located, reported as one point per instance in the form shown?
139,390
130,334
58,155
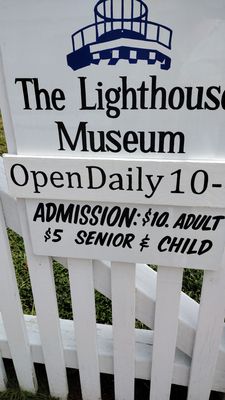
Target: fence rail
185,346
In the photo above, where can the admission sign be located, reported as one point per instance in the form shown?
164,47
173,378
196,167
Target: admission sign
118,115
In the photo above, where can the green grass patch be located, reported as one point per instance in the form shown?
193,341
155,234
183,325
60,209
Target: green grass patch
192,283
17,394
3,146
103,305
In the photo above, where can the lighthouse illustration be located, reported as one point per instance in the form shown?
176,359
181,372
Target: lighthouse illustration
121,31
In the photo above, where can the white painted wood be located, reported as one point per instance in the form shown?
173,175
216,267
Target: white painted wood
206,246
43,287
123,313
54,365
83,302
3,378
169,283
208,335
144,340
99,170
12,313
145,301
40,19
145,285
6,110
145,288
9,203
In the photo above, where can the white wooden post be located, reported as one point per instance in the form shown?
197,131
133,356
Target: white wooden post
5,110
123,312
169,283
208,335
3,378
83,302
43,287
12,315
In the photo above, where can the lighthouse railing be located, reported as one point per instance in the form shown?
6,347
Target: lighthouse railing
153,33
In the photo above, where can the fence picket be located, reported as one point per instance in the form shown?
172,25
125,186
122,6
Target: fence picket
169,283
123,312
3,378
208,335
83,302
12,315
43,287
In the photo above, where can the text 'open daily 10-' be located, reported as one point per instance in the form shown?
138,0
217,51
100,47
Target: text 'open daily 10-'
138,79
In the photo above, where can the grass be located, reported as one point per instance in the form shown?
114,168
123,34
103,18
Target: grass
103,305
192,283
3,147
13,391
16,394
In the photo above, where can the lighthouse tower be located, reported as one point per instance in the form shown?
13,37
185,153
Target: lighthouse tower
121,15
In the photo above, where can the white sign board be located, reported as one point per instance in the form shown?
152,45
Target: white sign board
187,183
150,222
115,78
171,236
122,106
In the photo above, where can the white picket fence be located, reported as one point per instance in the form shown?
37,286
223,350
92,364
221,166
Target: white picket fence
185,346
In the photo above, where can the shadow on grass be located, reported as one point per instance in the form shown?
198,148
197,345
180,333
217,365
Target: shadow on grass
142,387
